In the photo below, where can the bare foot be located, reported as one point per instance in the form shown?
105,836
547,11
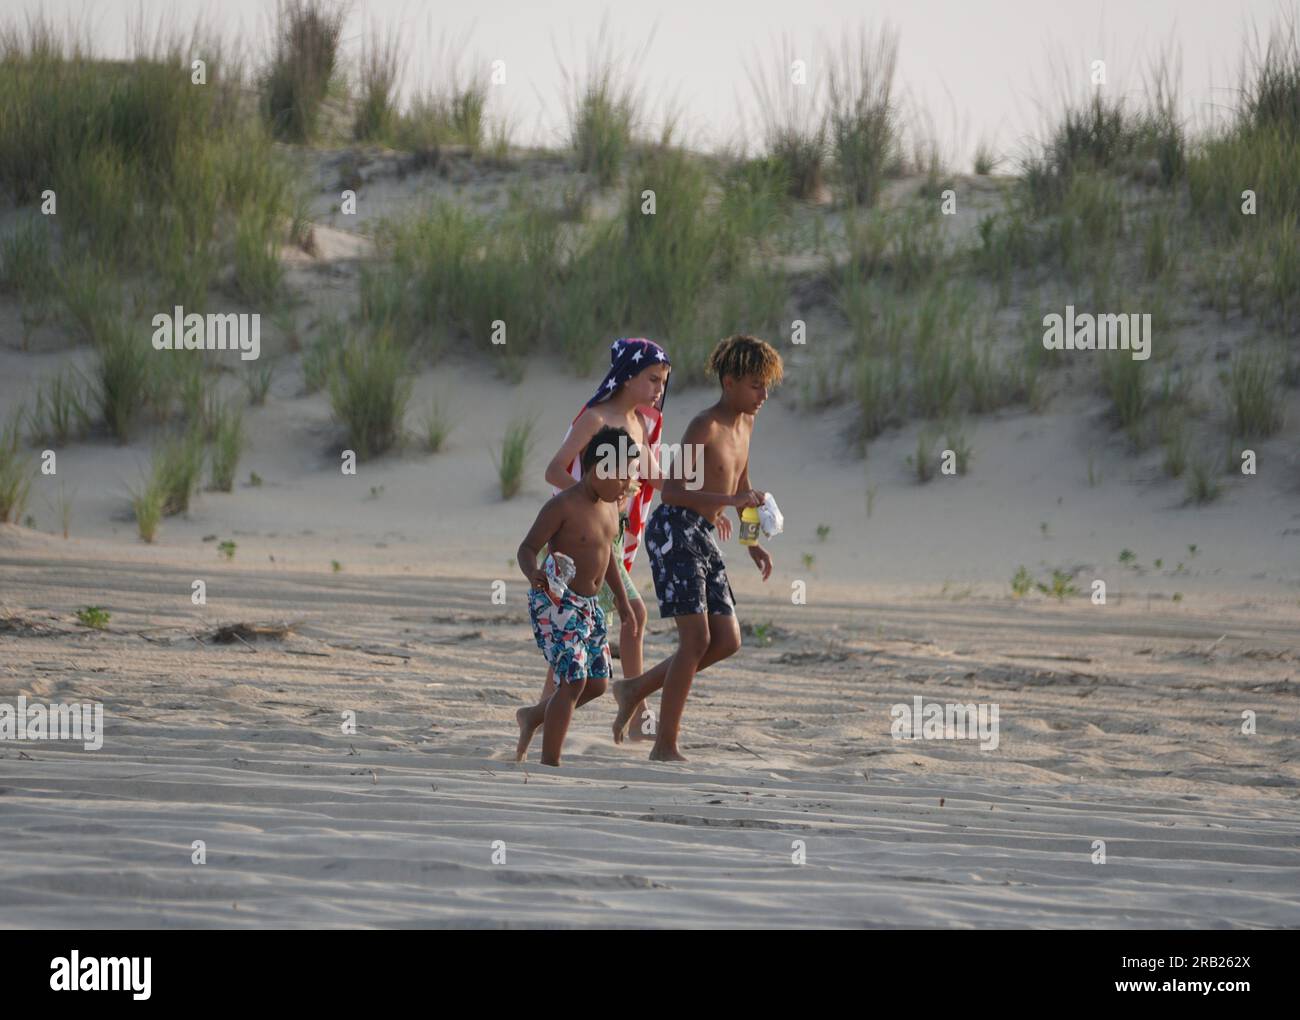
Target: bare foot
638,730
526,730
658,753
626,708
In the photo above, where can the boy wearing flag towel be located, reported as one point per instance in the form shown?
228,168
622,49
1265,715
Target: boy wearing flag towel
631,397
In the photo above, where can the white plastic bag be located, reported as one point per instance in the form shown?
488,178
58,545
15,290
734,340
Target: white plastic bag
560,570
770,517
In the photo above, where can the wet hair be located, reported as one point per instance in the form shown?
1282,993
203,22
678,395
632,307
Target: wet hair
741,354
606,437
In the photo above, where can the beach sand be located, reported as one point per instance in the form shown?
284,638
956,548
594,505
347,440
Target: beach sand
1119,724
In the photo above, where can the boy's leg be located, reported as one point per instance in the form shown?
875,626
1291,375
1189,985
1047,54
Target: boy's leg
724,640
721,636
692,643
530,718
559,713
631,656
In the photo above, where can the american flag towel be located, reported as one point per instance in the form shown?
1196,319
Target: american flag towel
629,356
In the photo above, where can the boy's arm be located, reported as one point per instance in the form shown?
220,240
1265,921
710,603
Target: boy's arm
654,471
548,522
557,471
762,559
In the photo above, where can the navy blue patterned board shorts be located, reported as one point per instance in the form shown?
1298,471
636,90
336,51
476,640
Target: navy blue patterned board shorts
686,563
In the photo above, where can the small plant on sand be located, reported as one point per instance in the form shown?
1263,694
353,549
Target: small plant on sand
863,113
435,426
64,507
1253,395
336,566
320,353
95,617
1128,557
604,111
147,505
382,61
257,380
515,448
1061,586
793,118
121,378
1021,583
955,440
258,272
808,559
60,413
986,160
226,550
227,446
16,472
823,531
1202,485
254,479
369,386
922,461
177,467
307,37
1124,384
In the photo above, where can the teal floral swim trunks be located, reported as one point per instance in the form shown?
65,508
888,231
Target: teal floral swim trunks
571,635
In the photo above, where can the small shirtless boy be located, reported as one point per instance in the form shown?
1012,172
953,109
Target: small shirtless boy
582,523
690,577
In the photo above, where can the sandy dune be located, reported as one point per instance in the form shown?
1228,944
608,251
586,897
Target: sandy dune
1123,728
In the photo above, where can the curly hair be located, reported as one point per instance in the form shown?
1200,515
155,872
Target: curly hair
741,354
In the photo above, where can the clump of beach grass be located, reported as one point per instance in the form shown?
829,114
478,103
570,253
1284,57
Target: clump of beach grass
863,114
605,110
435,425
295,84
16,471
793,120
121,377
227,447
176,470
516,446
369,386
1254,397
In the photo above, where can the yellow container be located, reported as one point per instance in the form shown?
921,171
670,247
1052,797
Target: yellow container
749,526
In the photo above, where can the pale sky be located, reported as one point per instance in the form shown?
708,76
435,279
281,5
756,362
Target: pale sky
980,68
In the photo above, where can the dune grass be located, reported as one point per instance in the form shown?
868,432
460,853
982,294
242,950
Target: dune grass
604,106
793,117
147,504
61,411
383,59
369,387
1254,396
512,461
435,425
17,469
297,80
228,443
121,377
177,467
863,113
